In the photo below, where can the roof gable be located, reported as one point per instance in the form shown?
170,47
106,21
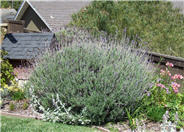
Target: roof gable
55,14
26,45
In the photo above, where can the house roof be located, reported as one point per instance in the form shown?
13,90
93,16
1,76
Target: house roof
7,14
55,14
26,45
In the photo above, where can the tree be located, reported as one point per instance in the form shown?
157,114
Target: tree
11,4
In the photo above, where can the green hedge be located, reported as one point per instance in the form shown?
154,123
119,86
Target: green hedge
159,26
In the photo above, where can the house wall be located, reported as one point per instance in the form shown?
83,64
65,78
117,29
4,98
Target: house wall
33,21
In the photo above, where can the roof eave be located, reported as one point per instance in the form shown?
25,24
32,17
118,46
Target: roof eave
20,8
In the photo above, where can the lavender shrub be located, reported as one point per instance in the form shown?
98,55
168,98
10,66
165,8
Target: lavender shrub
89,81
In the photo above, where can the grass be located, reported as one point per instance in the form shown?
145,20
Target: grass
15,124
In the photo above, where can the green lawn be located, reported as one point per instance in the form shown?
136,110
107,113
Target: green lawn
14,124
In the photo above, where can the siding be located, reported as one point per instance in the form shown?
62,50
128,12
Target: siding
32,21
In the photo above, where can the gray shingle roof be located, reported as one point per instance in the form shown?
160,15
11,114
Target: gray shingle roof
58,13
26,45
179,4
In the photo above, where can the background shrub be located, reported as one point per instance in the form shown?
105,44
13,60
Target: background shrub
89,82
11,4
156,23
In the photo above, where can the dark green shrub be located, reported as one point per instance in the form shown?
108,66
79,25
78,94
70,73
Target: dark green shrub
18,95
89,83
155,23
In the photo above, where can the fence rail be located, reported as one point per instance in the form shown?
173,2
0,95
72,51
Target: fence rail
161,58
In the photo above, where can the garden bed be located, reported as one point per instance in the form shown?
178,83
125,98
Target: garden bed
19,109
96,84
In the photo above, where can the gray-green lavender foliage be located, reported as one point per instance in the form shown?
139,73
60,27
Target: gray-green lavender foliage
89,81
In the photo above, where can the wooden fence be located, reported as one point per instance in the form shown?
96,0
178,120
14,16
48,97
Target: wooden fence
15,26
161,58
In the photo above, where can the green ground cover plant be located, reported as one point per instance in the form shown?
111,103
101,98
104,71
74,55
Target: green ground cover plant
15,124
154,24
89,82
